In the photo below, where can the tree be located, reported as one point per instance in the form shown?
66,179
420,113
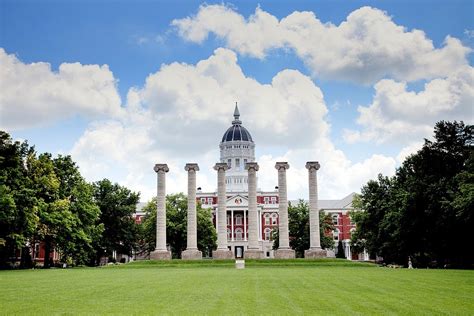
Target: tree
426,208
298,229
117,205
176,226
18,204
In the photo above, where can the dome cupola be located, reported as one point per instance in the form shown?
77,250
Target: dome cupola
237,132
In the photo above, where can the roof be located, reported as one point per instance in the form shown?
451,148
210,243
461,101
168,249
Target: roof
344,203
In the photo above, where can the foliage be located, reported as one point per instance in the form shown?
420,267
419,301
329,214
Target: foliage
176,226
298,229
117,205
425,210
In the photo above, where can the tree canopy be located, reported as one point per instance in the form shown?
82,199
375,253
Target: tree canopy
425,211
176,226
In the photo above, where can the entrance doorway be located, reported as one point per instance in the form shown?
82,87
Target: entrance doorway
239,251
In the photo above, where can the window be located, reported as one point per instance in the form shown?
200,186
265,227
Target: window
229,163
274,218
266,200
237,163
229,237
209,200
203,200
238,219
267,232
245,162
238,234
228,219
335,218
274,199
335,234
267,218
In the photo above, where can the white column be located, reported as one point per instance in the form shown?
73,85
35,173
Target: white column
161,170
221,219
252,168
191,168
245,225
313,167
232,225
283,236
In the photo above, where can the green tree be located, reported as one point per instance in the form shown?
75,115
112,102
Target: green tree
117,205
298,229
78,243
18,204
176,226
426,208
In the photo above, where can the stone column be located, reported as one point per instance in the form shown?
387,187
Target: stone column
191,252
253,249
222,251
284,251
161,252
314,250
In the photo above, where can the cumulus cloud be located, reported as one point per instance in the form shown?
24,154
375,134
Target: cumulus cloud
182,111
397,114
33,94
366,47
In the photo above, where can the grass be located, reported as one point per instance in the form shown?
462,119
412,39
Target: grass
217,288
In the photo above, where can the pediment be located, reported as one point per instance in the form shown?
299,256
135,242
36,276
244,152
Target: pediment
237,201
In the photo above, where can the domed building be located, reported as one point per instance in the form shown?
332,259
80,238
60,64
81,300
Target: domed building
237,147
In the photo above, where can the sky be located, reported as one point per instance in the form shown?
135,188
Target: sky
123,85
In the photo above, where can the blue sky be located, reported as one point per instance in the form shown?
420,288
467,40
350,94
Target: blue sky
382,87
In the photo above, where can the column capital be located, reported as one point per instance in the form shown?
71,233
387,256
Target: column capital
191,166
313,165
282,165
221,166
161,167
251,165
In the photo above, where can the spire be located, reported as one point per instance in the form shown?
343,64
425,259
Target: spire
236,120
236,112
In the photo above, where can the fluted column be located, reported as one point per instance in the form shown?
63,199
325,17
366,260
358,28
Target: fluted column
284,251
253,249
314,250
191,251
161,252
222,251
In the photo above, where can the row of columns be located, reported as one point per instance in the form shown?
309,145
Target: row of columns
253,250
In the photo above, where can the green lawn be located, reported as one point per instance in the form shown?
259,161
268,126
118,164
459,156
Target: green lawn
264,287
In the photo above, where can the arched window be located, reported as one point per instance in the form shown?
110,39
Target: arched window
238,234
336,234
267,218
268,233
274,219
238,219
335,219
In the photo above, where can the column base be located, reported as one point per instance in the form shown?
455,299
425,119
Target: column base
222,254
253,254
284,254
315,253
160,255
191,254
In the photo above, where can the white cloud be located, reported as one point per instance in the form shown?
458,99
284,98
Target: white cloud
364,48
33,94
183,110
397,114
